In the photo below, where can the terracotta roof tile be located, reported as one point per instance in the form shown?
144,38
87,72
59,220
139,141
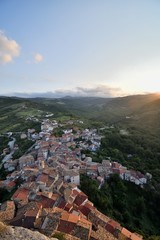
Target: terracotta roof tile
11,184
81,198
130,235
21,194
85,210
42,178
45,201
89,205
65,226
31,213
112,226
75,192
62,204
68,207
73,218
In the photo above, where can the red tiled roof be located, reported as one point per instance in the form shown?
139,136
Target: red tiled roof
89,205
85,210
133,173
11,184
62,204
68,207
21,194
112,226
115,165
75,192
130,235
42,178
81,197
55,196
45,201
94,167
86,222
65,226
67,222
32,213
73,218
116,170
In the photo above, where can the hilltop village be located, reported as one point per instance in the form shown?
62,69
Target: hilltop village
49,198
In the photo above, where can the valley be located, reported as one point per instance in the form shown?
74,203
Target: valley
85,132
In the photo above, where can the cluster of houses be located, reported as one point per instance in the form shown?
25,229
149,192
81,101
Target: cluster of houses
65,209
102,171
49,199
48,125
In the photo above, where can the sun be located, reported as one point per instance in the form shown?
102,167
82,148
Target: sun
142,86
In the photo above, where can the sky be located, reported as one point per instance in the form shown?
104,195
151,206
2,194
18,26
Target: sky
102,48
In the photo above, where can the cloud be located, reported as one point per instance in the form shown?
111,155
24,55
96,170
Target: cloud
8,49
38,58
98,91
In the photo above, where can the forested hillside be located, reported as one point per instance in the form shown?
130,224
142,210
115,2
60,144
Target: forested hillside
135,208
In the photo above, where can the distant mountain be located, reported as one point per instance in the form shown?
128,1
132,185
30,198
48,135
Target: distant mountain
147,116
108,110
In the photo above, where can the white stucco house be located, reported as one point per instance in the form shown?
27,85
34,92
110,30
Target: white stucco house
72,176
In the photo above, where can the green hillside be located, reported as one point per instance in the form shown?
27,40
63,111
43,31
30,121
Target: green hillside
135,208
14,111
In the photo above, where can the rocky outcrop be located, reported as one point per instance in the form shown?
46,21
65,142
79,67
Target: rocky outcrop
20,233
7,211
